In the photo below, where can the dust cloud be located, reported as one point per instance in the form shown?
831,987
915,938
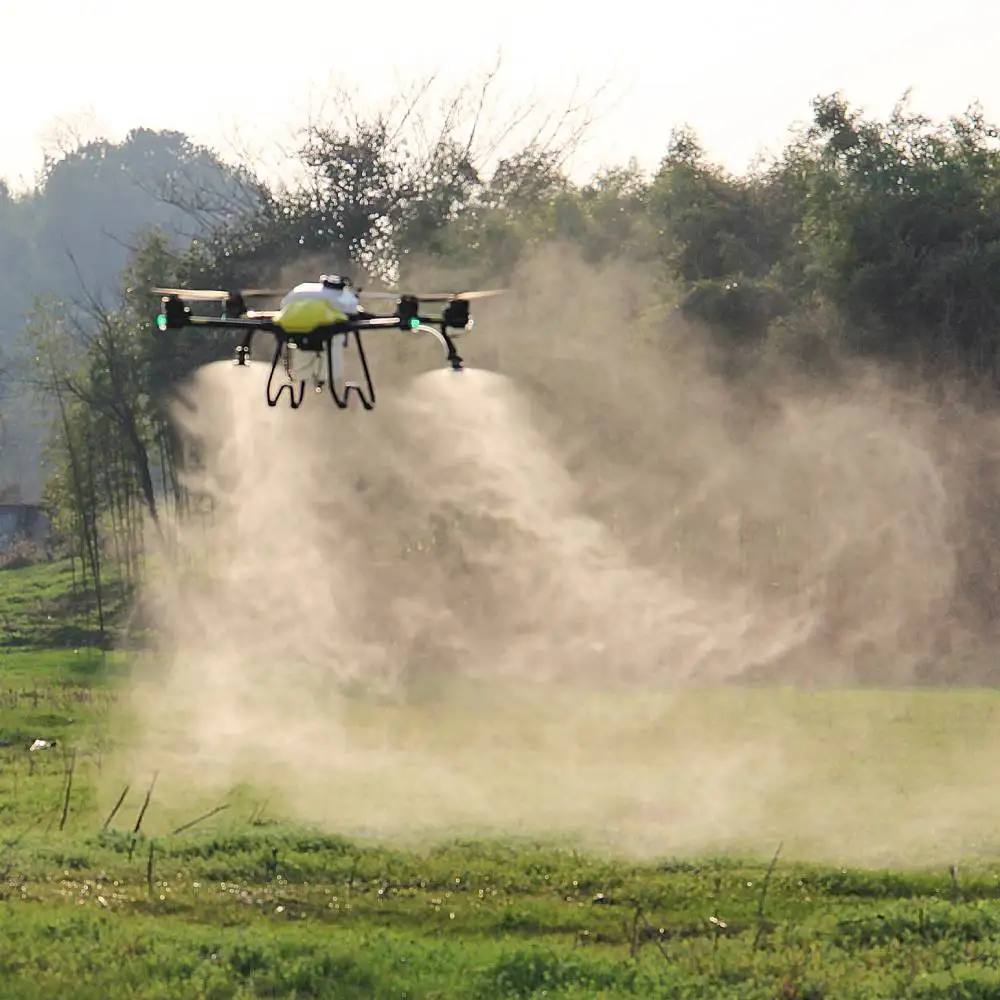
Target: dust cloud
532,597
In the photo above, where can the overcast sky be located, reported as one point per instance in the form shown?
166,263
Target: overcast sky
739,73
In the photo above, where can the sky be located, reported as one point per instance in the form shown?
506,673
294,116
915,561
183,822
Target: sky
244,76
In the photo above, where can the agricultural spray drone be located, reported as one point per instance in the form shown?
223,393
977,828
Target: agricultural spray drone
320,317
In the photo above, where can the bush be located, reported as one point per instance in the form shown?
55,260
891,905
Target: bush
20,553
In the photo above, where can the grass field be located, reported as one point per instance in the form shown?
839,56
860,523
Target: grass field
241,904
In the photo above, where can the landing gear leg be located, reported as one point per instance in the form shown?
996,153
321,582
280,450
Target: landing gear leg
295,399
333,372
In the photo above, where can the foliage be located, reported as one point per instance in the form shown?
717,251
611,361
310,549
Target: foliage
51,604
862,236
20,553
902,228
71,236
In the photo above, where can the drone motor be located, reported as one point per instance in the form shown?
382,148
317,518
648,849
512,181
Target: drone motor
408,310
456,315
235,306
174,314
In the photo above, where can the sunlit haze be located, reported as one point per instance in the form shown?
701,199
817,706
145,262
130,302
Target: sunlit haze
740,74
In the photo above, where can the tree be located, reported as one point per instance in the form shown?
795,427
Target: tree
382,190
902,224
719,236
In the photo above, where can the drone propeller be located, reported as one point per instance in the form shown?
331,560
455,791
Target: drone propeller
436,296
214,294
482,293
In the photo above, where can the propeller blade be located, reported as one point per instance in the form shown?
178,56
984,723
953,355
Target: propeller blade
436,296
216,294
194,293
483,293
464,296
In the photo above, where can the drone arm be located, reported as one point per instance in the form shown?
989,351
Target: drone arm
253,324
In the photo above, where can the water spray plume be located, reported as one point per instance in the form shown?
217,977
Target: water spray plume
519,598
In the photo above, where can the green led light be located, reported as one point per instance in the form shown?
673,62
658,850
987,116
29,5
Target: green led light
161,321
414,323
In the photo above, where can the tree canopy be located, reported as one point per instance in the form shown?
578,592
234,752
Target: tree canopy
863,237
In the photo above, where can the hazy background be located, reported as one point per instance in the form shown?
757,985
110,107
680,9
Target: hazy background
508,601
723,429
739,73
740,78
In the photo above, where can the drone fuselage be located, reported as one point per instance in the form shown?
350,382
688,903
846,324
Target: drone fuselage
315,343
335,292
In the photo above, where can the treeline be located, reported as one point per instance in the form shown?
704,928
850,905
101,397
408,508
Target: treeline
863,237
70,235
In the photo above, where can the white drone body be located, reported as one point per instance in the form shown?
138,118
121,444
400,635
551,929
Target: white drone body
338,292
333,289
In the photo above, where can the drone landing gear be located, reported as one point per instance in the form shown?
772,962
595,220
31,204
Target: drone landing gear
281,353
367,395
296,385
340,388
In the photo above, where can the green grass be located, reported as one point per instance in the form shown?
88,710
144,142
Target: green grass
46,606
244,905
271,911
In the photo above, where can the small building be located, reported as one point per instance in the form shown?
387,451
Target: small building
22,521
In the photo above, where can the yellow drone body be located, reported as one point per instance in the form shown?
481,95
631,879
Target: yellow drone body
312,304
306,314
